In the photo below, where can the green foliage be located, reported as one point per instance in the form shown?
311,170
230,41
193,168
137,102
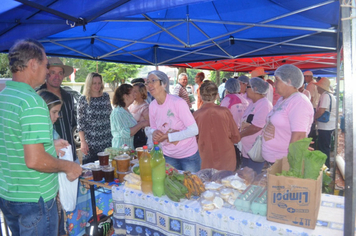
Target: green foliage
302,162
116,74
113,73
313,163
227,75
4,66
326,183
191,75
296,154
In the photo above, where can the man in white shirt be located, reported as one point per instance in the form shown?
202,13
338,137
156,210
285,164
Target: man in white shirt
325,129
260,72
221,89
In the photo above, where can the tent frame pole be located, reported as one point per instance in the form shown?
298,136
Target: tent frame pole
349,33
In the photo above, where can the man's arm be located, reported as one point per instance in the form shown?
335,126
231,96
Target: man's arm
38,159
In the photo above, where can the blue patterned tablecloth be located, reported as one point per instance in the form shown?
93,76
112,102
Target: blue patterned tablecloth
136,213
76,220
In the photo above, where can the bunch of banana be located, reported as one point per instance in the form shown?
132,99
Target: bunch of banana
173,188
194,184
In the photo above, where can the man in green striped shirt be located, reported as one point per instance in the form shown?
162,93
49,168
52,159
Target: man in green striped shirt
28,160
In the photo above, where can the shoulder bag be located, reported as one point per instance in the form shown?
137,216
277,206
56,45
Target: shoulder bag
324,118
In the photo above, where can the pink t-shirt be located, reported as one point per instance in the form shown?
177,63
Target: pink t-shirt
295,114
237,105
173,114
244,95
260,110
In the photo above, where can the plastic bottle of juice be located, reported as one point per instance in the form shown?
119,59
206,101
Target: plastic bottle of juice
145,171
155,144
158,166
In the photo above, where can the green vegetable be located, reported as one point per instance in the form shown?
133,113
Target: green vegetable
302,162
326,182
296,154
313,163
136,170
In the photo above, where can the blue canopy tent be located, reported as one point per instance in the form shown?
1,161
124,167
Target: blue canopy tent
172,32
156,32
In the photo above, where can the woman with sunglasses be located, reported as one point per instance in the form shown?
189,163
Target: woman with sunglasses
172,124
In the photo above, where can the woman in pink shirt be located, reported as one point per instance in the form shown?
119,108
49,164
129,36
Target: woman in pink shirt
173,125
235,102
139,110
254,119
290,119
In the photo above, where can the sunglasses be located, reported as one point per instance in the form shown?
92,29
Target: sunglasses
248,86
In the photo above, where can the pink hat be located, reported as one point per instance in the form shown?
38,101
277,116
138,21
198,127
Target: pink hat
308,73
258,72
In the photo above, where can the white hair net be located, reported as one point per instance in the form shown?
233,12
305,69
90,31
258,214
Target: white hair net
291,75
162,77
258,85
244,79
232,86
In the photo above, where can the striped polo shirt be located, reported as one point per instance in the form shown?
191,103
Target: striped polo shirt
24,119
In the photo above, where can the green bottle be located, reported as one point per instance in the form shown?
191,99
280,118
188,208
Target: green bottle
158,167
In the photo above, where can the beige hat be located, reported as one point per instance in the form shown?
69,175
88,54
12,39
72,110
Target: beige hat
258,72
308,72
324,83
56,62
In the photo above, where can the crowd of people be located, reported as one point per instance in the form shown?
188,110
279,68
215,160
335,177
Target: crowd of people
37,125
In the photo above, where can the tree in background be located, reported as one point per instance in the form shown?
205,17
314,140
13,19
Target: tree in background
4,66
117,73
113,73
191,75
217,79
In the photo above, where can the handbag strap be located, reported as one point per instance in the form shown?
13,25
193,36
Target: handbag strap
330,102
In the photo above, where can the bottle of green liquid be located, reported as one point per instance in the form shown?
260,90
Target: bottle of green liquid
158,167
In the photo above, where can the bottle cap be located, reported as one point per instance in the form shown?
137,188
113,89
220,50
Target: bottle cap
155,143
157,148
144,147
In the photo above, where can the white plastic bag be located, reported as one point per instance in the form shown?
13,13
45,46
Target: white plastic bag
67,190
255,152
149,132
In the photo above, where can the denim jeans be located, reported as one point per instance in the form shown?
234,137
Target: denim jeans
192,163
256,166
324,143
31,218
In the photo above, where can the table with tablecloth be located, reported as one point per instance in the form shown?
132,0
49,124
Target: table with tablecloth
136,213
77,219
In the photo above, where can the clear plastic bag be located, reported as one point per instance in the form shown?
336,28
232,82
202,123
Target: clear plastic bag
206,174
247,174
67,190
218,176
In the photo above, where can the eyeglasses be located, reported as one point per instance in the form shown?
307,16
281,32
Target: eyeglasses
248,86
151,81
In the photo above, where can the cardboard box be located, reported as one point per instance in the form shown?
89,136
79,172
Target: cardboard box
291,200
